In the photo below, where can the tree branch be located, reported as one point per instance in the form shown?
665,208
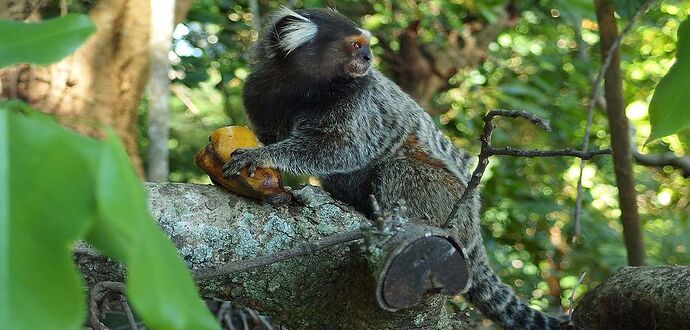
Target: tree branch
665,159
96,295
298,251
487,150
321,282
638,298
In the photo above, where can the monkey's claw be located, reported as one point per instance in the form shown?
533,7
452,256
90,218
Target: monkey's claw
240,159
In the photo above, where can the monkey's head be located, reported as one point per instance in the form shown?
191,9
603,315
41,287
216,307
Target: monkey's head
319,43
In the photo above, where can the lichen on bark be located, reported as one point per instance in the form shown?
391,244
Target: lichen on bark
332,288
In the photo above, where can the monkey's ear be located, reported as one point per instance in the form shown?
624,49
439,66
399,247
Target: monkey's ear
288,31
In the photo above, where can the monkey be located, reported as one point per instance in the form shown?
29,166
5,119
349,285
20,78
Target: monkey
320,108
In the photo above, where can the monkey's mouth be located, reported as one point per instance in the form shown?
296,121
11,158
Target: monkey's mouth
357,68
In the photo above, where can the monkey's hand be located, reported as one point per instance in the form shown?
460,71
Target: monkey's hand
241,158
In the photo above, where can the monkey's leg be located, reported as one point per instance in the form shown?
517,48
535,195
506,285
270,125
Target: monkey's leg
431,192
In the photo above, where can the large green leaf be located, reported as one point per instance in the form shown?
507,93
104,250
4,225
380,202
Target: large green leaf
669,111
626,8
46,203
42,42
158,283
59,187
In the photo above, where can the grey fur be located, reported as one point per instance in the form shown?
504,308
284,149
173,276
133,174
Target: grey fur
366,136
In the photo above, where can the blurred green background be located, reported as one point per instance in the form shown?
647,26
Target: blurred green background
542,61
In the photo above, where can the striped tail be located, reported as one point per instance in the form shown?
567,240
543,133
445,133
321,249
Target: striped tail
497,301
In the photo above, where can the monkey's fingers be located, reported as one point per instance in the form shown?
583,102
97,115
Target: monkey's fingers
238,152
251,170
232,167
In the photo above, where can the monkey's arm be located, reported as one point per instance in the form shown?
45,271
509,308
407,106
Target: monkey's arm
312,151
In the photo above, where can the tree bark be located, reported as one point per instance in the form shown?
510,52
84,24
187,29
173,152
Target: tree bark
638,298
102,82
620,137
333,288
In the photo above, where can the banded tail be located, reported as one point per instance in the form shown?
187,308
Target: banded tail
497,301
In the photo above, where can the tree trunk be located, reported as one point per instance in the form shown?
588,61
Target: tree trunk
620,137
638,298
333,288
162,24
102,82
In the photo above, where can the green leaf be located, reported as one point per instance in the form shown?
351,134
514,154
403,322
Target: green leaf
61,187
626,8
669,111
46,203
42,42
158,284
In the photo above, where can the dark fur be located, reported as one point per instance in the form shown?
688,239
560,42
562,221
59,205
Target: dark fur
364,136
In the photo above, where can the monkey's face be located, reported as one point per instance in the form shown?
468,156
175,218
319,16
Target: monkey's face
319,43
358,53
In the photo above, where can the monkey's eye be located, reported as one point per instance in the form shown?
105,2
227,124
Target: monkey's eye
356,45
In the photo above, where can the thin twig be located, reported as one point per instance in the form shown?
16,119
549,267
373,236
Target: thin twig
681,163
487,151
243,317
297,251
571,300
549,153
596,91
128,313
227,319
182,95
97,293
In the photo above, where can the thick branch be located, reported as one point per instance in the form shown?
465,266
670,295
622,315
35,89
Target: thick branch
638,298
330,288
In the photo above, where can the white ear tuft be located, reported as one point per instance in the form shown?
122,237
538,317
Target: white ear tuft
295,33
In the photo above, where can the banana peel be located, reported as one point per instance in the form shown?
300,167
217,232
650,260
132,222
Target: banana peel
265,185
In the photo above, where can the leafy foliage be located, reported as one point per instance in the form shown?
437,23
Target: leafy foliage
668,112
64,187
42,42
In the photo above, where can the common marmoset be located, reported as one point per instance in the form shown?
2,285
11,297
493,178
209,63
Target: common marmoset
320,108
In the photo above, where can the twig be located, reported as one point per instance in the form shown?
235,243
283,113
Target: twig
182,95
571,300
245,325
666,159
259,319
98,292
549,153
227,319
128,313
297,251
596,91
487,151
